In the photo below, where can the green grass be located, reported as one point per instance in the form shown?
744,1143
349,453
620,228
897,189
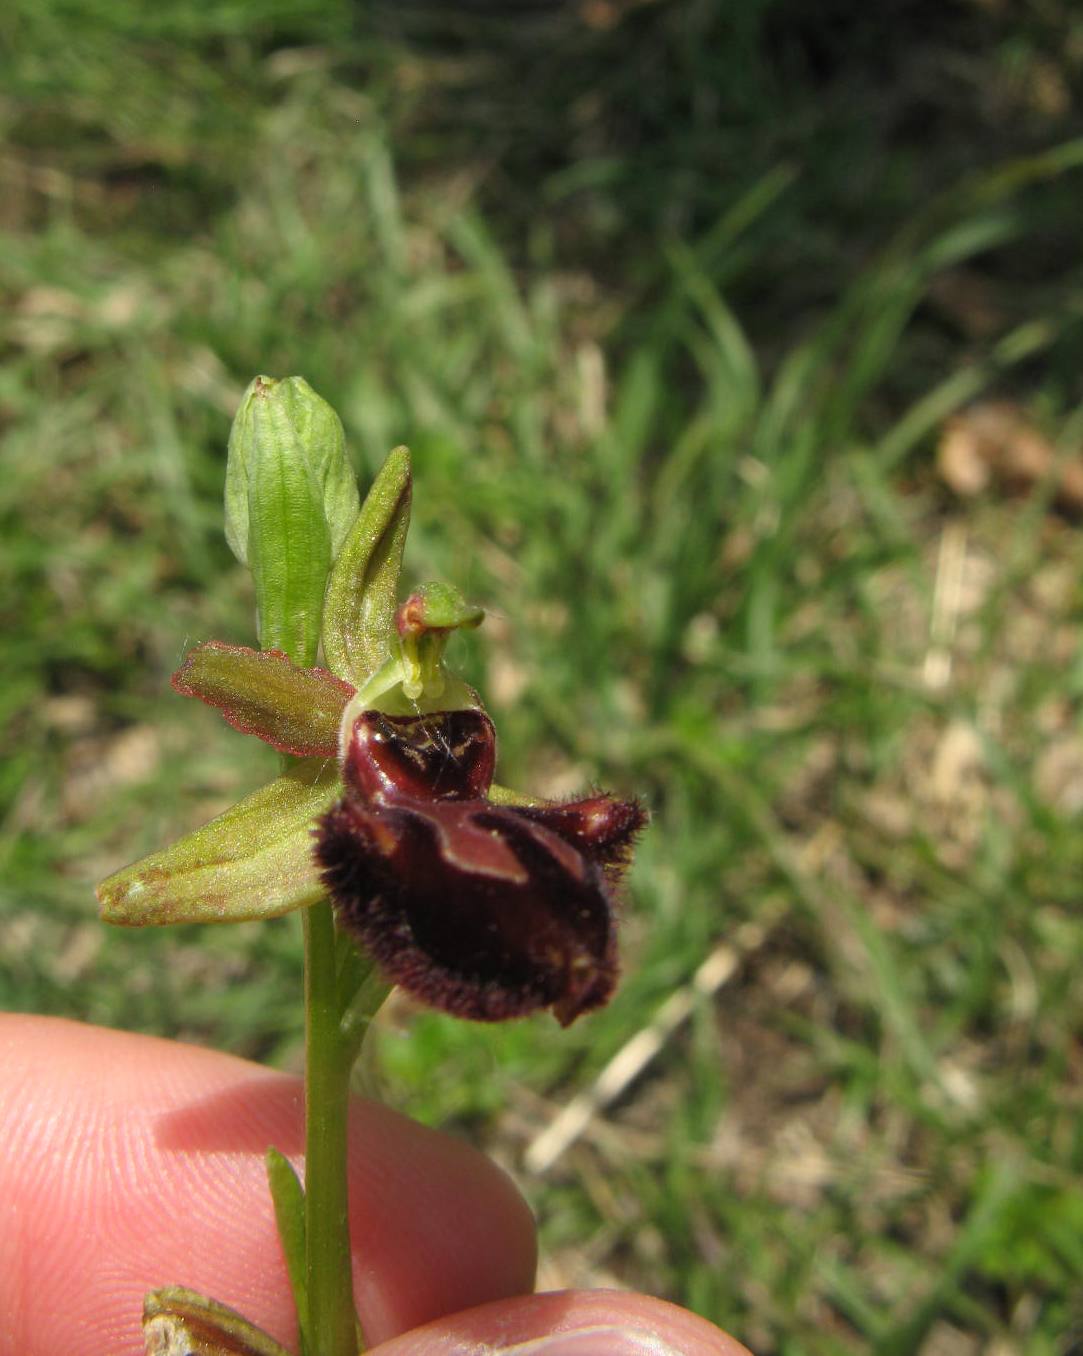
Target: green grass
672,379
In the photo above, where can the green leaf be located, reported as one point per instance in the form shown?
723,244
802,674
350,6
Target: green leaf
253,861
362,592
289,1202
260,692
180,1320
291,500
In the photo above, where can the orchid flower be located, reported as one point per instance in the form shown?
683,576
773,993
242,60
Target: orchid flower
475,900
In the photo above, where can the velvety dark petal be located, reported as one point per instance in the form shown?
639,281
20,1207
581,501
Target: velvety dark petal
449,755
472,908
600,826
261,692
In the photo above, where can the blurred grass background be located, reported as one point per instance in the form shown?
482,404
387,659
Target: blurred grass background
674,303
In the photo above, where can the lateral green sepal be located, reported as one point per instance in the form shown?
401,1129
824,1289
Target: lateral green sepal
253,861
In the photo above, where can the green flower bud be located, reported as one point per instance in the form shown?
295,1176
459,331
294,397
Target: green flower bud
291,500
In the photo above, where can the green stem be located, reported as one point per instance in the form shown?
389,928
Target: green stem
328,1057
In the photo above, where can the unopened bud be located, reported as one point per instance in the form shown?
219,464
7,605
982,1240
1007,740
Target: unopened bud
291,500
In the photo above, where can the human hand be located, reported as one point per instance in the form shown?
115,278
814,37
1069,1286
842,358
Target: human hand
130,1163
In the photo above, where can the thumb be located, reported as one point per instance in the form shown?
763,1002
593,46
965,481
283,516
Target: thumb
568,1323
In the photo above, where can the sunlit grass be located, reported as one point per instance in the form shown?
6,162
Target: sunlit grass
715,561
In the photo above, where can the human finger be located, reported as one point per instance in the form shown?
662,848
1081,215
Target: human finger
568,1323
131,1163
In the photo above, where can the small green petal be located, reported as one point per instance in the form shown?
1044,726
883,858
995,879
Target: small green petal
253,861
436,606
359,610
260,692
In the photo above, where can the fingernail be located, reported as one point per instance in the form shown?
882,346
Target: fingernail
602,1340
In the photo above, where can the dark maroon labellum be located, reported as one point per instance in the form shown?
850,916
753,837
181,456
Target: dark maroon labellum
486,911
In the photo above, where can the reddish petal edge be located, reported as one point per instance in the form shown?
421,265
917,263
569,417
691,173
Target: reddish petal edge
314,735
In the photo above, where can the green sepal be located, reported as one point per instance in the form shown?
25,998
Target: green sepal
176,1320
291,500
260,692
359,609
253,861
288,1196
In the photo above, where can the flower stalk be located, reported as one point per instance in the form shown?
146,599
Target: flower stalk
328,1059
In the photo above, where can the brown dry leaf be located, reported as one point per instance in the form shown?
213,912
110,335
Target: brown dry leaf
995,444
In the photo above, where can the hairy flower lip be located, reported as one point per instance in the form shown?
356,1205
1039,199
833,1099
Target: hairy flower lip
485,911
478,936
